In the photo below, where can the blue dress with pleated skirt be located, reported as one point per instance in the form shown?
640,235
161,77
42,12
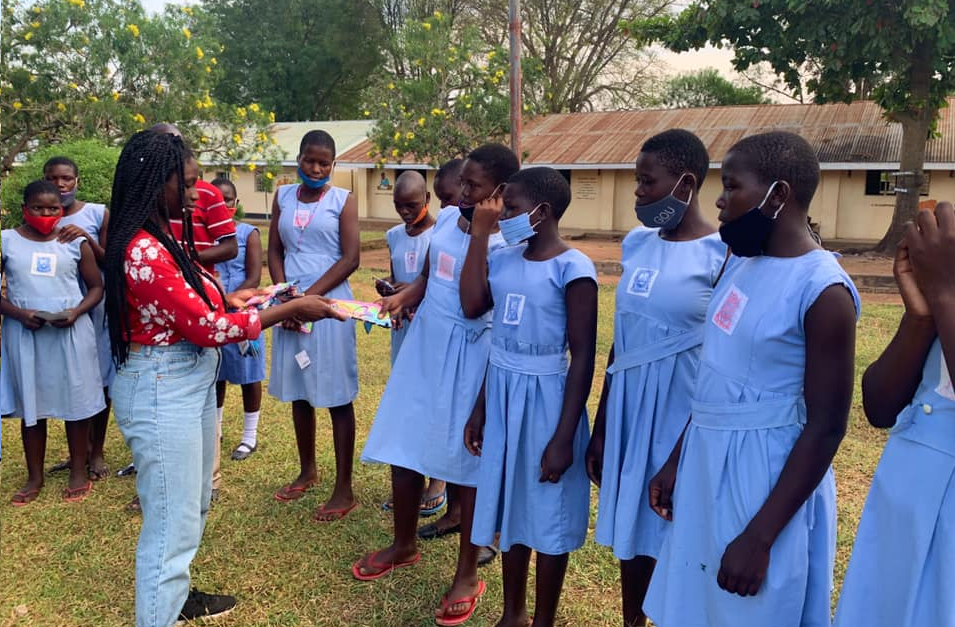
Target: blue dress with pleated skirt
748,410
437,376
408,255
661,302
310,236
50,372
525,394
90,219
235,367
903,562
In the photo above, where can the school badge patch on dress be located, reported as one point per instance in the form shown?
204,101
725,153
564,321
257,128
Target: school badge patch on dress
513,309
445,266
43,264
730,310
641,281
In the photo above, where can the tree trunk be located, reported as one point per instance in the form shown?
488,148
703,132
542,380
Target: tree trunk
916,123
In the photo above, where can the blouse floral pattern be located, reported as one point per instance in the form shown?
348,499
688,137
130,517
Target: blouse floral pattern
165,309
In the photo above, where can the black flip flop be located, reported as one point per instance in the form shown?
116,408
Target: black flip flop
433,532
63,465
487,554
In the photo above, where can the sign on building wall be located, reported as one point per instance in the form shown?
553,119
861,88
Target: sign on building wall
585,185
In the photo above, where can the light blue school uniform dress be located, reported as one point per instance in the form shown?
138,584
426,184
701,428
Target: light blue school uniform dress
90,219
525,394
309,233
237,368
407,259
46,373
435,381
903,564
748,410
658,329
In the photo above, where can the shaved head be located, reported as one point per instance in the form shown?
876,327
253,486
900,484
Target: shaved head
410,183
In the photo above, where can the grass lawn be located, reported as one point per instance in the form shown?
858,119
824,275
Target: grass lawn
72,565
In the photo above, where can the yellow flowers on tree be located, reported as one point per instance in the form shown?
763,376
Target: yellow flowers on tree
72,69
451,99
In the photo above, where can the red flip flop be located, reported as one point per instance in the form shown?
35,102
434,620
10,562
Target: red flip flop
24,497
446,619
336,514
288,492
381,569
75,495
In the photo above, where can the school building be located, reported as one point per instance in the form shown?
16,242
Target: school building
858,150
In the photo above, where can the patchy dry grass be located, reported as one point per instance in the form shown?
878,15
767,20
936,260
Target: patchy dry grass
72,565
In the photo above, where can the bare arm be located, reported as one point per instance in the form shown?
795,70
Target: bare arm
351,251
595,450
276,252
253,261
581,300
225,249
475,289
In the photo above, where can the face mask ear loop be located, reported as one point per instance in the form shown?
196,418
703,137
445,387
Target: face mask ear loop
766,197
536,224
778,211
673,191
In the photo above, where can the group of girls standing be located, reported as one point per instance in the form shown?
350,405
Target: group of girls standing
726,397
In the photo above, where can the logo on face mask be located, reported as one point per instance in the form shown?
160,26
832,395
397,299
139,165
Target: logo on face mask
747,235
666,213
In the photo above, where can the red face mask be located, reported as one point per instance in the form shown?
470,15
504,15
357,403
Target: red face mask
43,224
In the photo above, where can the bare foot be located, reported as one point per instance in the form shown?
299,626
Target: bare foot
98,469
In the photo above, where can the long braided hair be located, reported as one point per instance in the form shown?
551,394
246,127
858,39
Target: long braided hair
138,203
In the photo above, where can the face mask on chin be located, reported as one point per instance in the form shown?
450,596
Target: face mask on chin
747,235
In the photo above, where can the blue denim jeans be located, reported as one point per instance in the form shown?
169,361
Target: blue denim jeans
165,406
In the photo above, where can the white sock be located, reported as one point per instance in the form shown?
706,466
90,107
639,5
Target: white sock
219,411
250,426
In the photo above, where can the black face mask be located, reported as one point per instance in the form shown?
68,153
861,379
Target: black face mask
467,212
747,235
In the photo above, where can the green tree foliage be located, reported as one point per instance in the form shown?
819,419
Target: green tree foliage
97,163
901,53
304,59
586,61
104,68
396,13
707,88
454,97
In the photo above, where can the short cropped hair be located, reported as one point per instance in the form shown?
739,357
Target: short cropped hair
41,186
450,168
542,184
317,138
55,161
497,159
782,156
680,151
220,181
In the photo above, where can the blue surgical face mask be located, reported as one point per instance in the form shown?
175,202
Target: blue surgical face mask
666,213
747,235
67,198
312,183
519,228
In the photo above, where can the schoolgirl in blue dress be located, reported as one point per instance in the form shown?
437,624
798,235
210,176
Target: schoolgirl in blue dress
48,338
87,220
670,267
314,241
532,484
748,487
418,428
243,364
408,247
903,562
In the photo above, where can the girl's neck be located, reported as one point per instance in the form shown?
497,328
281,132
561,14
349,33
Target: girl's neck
74,208
790,237
692,226
545,245
32,234
308,194
421,227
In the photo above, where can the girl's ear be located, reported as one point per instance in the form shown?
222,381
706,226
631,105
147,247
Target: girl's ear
686,188
545,212
781,195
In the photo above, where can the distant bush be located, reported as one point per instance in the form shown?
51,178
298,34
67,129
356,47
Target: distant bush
97,164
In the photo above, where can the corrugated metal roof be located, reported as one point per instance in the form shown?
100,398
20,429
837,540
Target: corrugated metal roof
856,133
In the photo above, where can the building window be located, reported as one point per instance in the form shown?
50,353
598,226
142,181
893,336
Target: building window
260,181
223,175
883,183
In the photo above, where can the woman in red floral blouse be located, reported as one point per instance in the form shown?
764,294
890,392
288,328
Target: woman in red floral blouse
166,316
